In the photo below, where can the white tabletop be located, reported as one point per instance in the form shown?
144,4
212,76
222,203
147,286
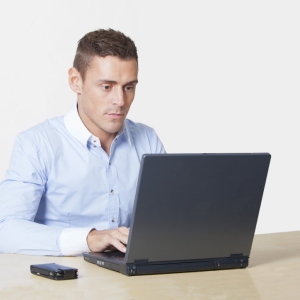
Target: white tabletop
273,273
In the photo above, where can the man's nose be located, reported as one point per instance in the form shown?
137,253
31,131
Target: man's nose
119,97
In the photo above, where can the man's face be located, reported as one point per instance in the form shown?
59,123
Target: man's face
106,94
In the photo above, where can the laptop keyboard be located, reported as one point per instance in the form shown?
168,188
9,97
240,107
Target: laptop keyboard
114,254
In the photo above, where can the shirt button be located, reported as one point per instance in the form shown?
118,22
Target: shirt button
111,191
95,146
109,163
113,220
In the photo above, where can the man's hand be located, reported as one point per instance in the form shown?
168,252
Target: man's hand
112,239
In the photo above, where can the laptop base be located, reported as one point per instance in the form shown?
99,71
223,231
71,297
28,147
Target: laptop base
143,267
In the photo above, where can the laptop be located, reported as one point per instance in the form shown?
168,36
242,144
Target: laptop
192,212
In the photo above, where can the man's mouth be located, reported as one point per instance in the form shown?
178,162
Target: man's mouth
115,115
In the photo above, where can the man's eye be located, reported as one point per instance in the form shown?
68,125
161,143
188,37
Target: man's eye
129,88
106,87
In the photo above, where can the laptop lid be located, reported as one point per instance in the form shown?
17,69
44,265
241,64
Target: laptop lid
196,206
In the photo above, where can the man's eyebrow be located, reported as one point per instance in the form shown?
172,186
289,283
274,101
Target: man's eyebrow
133,81
114,82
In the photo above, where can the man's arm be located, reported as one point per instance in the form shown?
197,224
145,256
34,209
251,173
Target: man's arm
20,195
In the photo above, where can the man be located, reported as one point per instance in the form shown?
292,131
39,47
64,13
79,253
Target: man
71,182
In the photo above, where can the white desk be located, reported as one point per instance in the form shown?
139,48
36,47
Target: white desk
273,273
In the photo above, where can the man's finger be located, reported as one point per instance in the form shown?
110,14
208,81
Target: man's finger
118,245
124,230
121,237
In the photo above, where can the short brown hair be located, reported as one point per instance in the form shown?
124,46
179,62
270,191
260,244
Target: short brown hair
102,43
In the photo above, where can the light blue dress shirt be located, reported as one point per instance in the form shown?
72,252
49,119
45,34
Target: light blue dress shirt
60,179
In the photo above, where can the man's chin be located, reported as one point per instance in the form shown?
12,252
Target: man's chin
114,128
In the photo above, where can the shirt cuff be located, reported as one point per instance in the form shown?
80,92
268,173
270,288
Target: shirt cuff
73,241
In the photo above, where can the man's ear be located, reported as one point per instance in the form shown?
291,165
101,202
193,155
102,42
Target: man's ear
75,81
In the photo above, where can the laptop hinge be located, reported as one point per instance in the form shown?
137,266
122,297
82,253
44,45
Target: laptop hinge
141,261
236,255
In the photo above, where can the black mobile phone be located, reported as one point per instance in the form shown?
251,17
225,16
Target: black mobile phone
54,271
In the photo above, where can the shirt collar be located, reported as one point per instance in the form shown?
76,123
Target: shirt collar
75,126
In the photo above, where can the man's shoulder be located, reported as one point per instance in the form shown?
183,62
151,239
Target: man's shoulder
144,138
141,132
44,129
139,128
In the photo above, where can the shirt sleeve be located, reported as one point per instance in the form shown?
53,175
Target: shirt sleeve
73,241
20,195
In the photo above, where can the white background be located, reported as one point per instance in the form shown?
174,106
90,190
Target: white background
215,76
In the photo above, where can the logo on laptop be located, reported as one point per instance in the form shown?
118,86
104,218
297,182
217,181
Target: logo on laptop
100,263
